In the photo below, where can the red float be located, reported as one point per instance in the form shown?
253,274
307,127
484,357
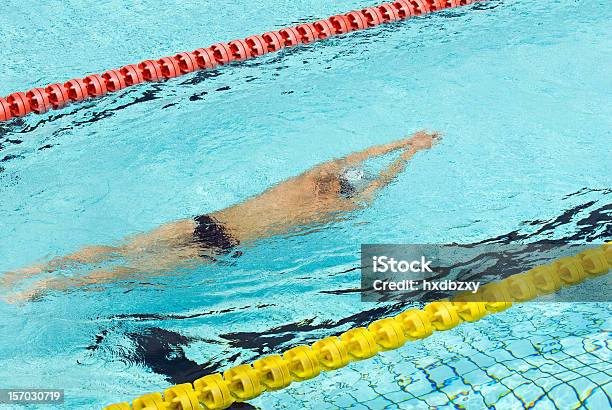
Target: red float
132,74
404,9
340,24
274,41
372,16
239,50
77,91
433,5
18,104
356,20
307,33
151,70
5,110
420,6
58,95
221,53
38,100
323,29
187,62
205,58
388,12
169,67
257,45
96,86
290,36
113,80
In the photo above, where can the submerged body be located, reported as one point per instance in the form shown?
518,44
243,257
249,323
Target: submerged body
324,193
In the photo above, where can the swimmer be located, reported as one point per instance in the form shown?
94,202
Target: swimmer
321,194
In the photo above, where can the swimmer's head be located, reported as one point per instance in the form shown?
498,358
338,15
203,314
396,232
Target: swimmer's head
347,183
353,181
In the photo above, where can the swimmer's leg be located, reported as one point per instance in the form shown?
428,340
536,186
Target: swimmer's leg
89,254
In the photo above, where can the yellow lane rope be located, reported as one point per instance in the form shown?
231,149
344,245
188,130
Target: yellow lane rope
275,372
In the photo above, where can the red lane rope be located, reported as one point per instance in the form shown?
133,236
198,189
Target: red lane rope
56,96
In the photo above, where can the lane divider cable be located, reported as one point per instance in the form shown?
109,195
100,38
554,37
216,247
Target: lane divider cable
57,96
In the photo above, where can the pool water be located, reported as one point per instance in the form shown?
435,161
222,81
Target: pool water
520,91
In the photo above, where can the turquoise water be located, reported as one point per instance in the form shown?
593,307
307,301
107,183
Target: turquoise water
520,90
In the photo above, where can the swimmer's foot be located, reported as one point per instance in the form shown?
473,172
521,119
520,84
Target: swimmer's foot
9,279
30,295
39,290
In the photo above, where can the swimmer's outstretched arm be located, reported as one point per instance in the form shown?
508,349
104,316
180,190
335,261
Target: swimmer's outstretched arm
376,151
415,141
418,142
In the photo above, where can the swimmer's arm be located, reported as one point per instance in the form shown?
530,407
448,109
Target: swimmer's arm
386,176
419,141
358,157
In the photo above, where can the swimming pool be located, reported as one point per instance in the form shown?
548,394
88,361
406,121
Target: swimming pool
519,90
